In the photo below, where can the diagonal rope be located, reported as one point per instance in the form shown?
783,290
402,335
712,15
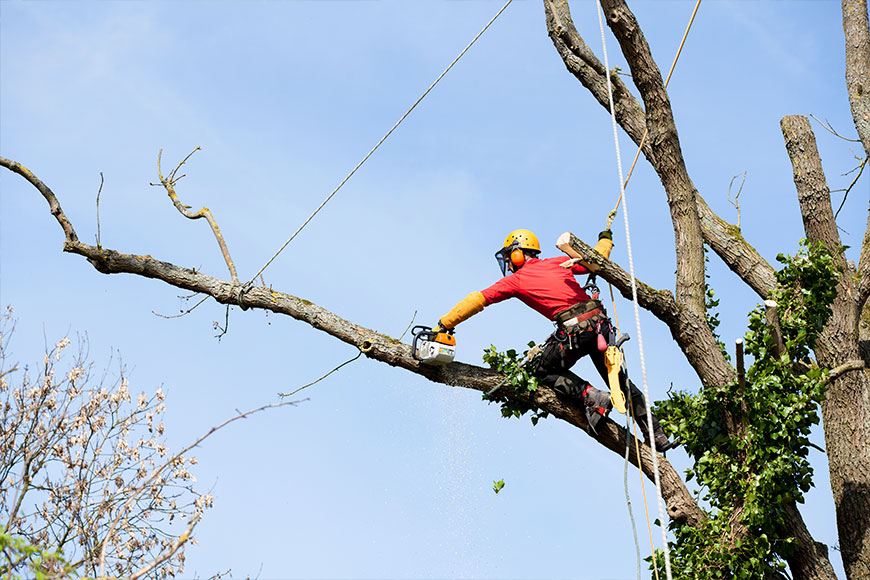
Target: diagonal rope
646,129
634,299
375,148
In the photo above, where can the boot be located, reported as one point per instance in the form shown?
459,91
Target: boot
598,406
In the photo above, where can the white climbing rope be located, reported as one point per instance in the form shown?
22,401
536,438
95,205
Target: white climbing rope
378,144
634,299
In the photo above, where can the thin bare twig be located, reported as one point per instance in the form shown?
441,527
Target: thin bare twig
223,329
860,170
171,461
183,312
99,191
168,553
413,318
734,202
347,362
169,185
827,125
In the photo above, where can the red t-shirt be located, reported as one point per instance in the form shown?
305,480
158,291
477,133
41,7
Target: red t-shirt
543,285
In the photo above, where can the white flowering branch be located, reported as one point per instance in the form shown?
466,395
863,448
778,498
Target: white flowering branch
201,502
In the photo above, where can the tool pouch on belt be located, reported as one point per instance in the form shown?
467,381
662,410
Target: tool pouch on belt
582,317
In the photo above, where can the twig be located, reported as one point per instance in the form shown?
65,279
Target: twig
163,556
413,318
735,203
827,125
169,462
860,169
223,329
183,312
169,185
347,362
99,191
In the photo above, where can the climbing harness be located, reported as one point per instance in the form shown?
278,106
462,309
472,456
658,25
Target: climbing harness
378,144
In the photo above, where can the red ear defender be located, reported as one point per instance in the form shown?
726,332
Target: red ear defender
518,258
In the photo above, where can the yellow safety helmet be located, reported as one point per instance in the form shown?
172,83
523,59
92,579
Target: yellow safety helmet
513,250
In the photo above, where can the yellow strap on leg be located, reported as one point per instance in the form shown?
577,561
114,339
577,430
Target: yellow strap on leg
613,362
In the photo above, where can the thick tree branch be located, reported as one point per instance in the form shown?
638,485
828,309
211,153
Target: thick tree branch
812,186
585,66
669,164
810,561
56,210
377,346
689,329
856,29
724,238
740,257
846,408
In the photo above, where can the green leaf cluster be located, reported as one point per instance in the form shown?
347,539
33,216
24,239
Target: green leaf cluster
750,445
497,486
19,559
520,378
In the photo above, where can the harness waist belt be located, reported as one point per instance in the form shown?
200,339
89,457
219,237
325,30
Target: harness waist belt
578,319
578,311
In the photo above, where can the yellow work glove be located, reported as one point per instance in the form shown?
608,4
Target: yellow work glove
468,307
605,243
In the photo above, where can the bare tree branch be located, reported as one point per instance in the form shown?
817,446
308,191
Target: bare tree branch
857,32
724,238
374,345
169,184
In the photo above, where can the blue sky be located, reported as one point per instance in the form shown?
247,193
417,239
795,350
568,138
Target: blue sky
380,474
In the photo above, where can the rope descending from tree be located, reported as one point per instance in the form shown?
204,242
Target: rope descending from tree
634,299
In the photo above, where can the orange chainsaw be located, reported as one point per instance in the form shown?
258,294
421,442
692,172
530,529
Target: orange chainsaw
431,347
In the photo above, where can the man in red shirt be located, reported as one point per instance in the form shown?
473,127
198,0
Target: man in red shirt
549,287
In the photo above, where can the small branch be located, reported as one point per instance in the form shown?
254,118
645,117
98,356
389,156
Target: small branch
183,312
99,191
860,169
852,365
413,318
830,128
347,362
46,192
223,329
735,203
171,461
169,185
169,552
12,370
772,320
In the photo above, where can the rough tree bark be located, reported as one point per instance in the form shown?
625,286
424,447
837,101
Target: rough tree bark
846,412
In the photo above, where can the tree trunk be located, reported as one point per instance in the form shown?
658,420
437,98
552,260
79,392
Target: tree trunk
846,408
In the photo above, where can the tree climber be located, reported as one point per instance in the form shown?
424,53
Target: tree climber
548,286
